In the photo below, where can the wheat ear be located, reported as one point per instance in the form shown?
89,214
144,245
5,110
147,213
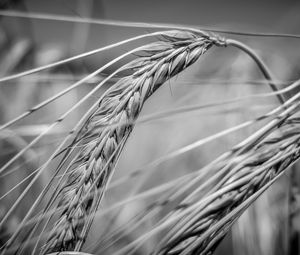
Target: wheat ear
100,141
205,216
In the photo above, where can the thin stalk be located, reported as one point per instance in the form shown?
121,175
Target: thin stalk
119,23
262,66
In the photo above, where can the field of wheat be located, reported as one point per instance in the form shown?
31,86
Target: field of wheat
123,130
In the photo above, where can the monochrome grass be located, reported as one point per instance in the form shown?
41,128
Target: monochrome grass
193,212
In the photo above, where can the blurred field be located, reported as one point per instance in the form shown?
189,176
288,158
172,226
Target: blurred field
221,75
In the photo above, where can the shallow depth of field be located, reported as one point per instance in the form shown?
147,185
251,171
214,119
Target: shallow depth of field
270,226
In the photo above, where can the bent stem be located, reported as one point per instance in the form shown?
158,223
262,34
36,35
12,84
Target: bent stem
262,66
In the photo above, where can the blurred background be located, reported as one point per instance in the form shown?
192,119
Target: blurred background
222,74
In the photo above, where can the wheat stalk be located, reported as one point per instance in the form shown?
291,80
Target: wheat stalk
101,143
75,19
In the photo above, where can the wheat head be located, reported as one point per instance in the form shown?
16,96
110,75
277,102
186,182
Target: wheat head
205,216
105,132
